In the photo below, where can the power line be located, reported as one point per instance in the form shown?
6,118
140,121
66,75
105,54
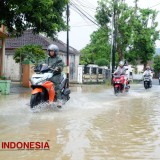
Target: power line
84,25
92,20
90,4
82,16
86,6
75,4
155,5
83,11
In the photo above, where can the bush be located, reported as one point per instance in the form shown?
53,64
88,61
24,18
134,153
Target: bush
3,78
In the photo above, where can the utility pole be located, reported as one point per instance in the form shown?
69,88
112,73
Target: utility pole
111,48
114,35
136,7
67,44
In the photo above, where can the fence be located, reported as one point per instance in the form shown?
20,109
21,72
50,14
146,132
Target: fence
92,74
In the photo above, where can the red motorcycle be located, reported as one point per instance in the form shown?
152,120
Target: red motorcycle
120,84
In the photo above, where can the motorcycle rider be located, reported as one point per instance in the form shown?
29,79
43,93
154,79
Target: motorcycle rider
121,70
55,62
148,72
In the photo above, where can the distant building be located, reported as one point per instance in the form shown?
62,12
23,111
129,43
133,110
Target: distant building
13,69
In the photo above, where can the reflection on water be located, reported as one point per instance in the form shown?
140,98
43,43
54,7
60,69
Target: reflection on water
94,125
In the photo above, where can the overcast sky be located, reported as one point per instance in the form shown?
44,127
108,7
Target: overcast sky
81,28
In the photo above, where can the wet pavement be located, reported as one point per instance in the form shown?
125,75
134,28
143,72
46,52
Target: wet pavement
94,125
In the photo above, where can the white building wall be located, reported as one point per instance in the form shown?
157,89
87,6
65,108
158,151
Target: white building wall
12,69
77,60
73,62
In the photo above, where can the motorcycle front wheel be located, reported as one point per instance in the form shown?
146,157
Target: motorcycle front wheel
146,85
116,90
35,100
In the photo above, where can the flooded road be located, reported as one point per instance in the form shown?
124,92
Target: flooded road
94,125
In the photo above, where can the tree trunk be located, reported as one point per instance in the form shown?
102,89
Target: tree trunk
144,66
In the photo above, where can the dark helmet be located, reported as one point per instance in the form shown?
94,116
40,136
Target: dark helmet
53,47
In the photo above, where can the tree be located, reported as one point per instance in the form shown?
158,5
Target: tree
102,62
38,15
134,30
122,23
144,37
99,47
156,65
32,53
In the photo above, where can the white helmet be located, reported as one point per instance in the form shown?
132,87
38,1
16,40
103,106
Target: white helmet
121,63
54,48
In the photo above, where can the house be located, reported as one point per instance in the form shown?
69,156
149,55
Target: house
13,69
3,36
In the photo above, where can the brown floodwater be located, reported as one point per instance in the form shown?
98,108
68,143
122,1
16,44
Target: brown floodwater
94,125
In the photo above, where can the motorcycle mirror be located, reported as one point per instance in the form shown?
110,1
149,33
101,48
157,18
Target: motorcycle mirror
33,61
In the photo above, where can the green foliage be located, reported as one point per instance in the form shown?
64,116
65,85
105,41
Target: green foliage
124,29
104,13
102,62
122,23
134,29
39,15
3,78
33,53
156,64
99,48
144,36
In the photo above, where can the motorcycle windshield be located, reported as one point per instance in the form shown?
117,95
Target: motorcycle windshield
45,68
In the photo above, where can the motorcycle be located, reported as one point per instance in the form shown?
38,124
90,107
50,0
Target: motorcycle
119,84
147,81
43,89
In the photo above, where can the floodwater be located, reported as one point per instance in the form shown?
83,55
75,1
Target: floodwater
94,125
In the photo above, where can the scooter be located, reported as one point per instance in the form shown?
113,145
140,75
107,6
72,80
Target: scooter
119,84
147,81
43,89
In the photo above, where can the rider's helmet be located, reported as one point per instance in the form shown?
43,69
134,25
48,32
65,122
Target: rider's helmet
121,63
53,47
148,68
